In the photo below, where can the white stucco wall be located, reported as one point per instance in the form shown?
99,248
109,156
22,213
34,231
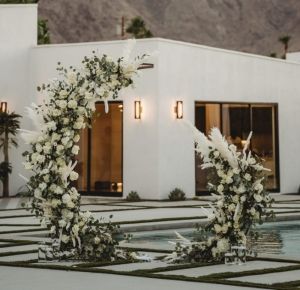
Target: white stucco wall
140,147
198,73
158,150
18,33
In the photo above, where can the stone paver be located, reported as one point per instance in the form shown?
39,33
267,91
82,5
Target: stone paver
249,266
271,278
37,279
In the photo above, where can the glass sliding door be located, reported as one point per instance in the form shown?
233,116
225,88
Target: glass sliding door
235,122
207,116
264,142
103,158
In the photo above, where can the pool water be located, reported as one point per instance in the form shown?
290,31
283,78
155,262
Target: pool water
278,238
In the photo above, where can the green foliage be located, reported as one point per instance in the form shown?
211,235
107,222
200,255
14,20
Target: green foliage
43,32
176,195
138,29
133,196
285,41
9,125
5,168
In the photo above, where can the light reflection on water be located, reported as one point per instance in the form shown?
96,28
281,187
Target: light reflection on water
281,238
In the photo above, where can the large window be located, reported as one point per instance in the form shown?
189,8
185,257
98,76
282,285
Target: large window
235,122
100,158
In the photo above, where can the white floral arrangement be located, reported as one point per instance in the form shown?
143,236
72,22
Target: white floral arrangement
67,109
241,199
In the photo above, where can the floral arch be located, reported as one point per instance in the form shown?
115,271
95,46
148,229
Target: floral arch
68,108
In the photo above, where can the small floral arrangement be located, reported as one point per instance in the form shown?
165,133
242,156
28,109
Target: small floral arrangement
241,198
67,109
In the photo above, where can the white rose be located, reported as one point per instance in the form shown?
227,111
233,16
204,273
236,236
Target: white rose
258,187
74,175
70,204
62,223
37,193
65,140
216,154
58,190
236,171
96,240
72,77
46,178
59,148
258,197
66,121
72,104
42,185
40,158
75,149
63,93
38,147
66,198
56,113
27,165
217,228
247,176
65,239
231,207
76,138
252,211
55,203
220,188
62,104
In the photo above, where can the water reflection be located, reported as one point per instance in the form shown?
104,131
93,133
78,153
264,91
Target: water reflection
279,238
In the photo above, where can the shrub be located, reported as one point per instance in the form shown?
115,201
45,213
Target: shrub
177,194
133,196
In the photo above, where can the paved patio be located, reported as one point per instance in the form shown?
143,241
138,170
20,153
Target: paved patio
20,233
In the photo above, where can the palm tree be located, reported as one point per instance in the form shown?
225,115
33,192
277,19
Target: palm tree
9,124
285,41
137,28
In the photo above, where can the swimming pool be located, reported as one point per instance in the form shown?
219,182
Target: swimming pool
277,238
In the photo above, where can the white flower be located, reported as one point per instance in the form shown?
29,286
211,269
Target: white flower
258,187
42,185
55,203
247,176
66,198
72,77
252,211
75,230
74,175
62,104
63,93
258,197
58,190
37,193
220,188
65,239
236,171
75,149
216,154
217,228
231,207
96,240
27,165
72,104
223,245
65,140
62,223
76,138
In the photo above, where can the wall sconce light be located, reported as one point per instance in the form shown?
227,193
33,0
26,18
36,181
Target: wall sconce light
3,107
179,110
137,110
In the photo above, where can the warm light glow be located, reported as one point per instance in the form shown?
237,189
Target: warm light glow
137,110
179,109
243,142
3,107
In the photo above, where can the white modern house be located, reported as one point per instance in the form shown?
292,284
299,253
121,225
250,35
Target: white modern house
151,151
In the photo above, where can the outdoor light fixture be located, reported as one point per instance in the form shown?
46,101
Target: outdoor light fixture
137,110
3,107
179,109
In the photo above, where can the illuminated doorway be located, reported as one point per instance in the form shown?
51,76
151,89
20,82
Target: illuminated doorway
100,161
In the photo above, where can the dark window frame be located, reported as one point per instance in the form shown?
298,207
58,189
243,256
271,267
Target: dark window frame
276,131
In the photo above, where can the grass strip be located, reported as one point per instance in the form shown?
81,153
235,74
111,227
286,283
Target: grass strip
16,216
23,231
17,253
146,250
159,220
228,275
20,225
